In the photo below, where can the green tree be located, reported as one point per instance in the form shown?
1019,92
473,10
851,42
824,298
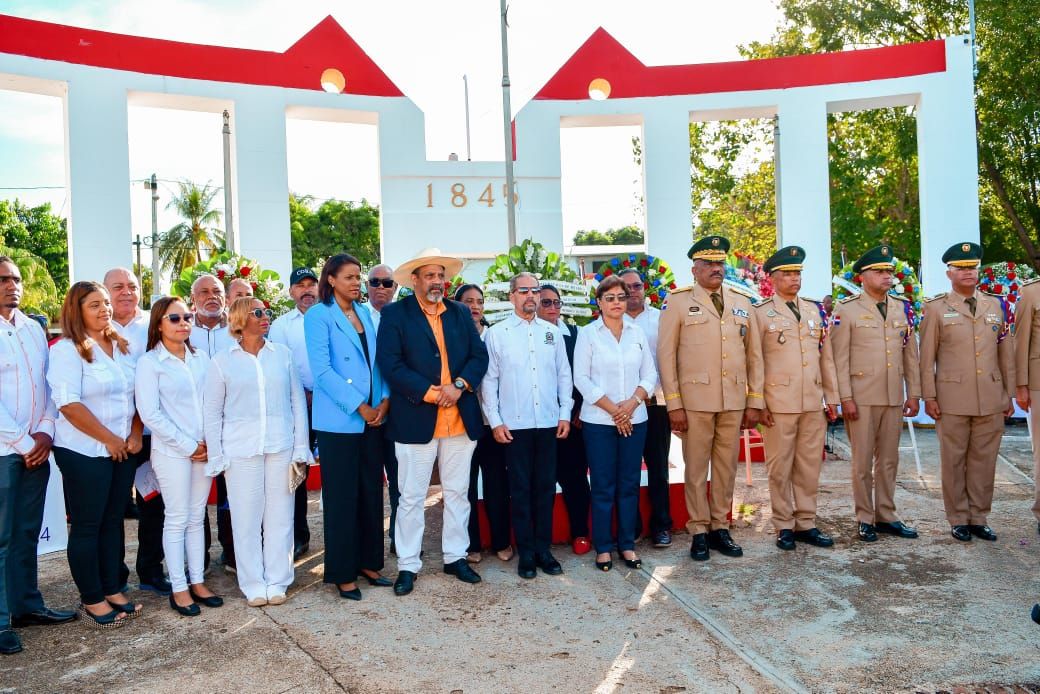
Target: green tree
39,232
625,236
336,226
591,238
39,293
197,237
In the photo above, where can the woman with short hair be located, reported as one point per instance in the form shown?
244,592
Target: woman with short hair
255,415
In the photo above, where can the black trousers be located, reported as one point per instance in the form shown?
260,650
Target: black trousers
224,536
352,485
572,472
22,496
96,490
531,459
302,533
393,489
151,516
489,461
655,455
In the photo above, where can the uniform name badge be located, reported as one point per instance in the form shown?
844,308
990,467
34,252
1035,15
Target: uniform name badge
740,313
694,309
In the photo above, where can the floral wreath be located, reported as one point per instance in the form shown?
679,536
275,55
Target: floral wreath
656,275
746,272
848,283
1005,279
230,266
549,267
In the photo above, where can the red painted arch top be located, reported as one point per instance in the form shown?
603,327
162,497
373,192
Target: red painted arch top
603,56
327,45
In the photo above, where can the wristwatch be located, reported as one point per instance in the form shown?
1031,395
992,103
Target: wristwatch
460,384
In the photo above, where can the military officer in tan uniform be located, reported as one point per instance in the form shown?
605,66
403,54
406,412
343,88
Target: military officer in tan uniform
968,380
1027,370
879,382
799,378
708,350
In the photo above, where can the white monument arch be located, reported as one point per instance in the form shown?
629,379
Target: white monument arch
460,205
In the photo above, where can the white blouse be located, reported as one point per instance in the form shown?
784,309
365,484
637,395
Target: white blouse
253,406
604,365
104,386
169,399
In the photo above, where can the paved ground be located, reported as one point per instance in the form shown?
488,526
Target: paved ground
925,615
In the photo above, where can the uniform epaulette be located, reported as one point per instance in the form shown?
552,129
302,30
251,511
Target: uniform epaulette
766,302
1032,281
936,297
848,299
682,289
900,297
740,290
809,298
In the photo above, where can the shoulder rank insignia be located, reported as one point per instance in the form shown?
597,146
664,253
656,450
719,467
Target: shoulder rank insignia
848,299
935,298
681,289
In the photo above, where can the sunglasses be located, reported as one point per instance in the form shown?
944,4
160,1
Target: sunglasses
527,290
377,282
176,318
555,303
614,298
261,312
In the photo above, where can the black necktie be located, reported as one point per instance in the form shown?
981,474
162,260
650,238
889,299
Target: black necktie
971,304
794,309
716,300
882,308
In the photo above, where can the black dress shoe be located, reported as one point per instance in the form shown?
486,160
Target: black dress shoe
378,581
867,532
526,568
405,583
211,601
605,565
157,584
1035,614
814,537
461,570
961,532
897,528
300,550
699,547
43,618
548,564
785,539
662,539
983,532
636,563
720,541
10,642
191,610
352,594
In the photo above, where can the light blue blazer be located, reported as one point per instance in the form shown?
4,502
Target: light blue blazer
342,377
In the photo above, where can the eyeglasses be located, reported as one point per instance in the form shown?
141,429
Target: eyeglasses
555,303
379,282
635,287
176,318
527,290
4,279
614,298
261,312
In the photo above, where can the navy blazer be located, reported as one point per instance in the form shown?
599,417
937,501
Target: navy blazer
410,362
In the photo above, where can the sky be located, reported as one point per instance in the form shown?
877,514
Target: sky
424,47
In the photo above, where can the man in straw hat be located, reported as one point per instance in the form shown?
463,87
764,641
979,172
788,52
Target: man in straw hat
432,357
879,382
968,380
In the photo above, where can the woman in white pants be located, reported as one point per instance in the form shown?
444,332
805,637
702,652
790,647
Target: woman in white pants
255,415
170,376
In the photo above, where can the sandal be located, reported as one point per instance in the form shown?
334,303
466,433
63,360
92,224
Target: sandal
505,554
131,610
105,621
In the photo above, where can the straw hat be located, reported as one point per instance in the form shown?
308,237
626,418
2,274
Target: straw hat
427,256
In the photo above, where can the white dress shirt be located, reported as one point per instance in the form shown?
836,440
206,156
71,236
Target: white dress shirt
648,321
135,332
375,315
288,330
104,386
528,381
25,401
210,340
253,406
615,368
169,399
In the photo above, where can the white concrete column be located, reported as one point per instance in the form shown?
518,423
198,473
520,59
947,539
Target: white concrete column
947,164
666,188
98,175
804,207
261,178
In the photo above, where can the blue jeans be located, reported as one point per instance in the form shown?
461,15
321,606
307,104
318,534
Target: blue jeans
22,493
614,463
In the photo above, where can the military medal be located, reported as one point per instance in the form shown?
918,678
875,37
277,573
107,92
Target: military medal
781,339
770,313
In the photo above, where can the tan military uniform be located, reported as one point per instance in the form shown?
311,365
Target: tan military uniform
878,368
706,361
798,377
968,368
1027,367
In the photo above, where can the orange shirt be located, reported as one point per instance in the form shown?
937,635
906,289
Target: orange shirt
449,421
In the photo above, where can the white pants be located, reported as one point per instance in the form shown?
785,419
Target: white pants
260,501
185,489
414,467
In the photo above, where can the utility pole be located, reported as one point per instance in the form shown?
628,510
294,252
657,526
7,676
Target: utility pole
507,114
971,28
139,270
776,179
229,228
465,86
152,241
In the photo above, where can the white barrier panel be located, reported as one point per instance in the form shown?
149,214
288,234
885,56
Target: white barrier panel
54,533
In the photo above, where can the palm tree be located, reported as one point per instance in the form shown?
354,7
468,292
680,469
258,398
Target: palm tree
183,245
39,294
